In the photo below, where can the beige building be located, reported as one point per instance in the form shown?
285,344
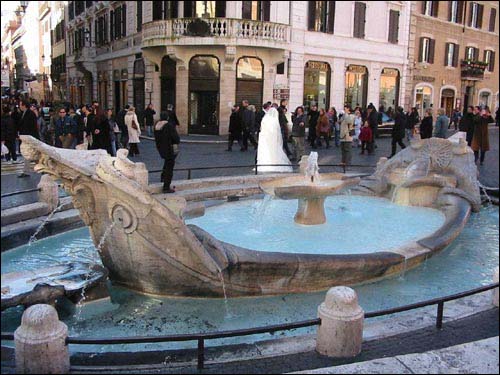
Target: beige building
453,57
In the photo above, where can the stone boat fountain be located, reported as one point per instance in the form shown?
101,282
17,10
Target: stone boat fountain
150,248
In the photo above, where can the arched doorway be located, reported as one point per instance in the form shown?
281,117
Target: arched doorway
204,73
356,86
448,100
249,80
317,84
139,90
167,78
389,88
423,98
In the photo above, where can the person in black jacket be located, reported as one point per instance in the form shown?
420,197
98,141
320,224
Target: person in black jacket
413,119
284,125
27,126
149,113
234,129
313,117
467,124
166,137
9,134
398,130
247,125
426,126
120,120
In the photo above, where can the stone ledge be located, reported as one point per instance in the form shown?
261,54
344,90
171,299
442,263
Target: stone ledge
31,211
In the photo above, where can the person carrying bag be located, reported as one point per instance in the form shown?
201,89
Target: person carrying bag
167,142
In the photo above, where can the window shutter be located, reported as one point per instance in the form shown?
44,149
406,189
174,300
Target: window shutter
435,8
174,13
493,19
139,15
359,20
455,55
423,6
157,10
311,15
220,9
124,20
446,52
471,8
460,12
420,49
393,26
450,10
246,10
476,54
188,9
432,45
331,16
96,32
266,10
480,10
112,25
105,28
491,67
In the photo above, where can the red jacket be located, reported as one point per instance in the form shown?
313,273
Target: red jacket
366,134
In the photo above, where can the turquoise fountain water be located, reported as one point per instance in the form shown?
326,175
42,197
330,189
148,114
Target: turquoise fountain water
461,266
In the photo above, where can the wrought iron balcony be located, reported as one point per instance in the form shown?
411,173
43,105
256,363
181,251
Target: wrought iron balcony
190,31
472,70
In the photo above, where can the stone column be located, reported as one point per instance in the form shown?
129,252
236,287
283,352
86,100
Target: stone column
495,291
40,342
340,334
49,192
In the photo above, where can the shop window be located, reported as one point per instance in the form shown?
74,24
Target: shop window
317,84
389,88
356,86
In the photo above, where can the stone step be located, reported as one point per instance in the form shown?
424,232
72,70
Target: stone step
31,211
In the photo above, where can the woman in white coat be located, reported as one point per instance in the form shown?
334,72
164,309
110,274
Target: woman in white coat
134,131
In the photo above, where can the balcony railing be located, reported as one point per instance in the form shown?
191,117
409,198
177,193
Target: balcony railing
245,31
472,70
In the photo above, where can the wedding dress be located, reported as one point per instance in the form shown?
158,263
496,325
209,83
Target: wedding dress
270,150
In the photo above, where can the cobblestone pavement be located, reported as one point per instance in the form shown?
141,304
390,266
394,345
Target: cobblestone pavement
202,152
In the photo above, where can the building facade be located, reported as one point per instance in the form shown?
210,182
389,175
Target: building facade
453,59
8,58
205,56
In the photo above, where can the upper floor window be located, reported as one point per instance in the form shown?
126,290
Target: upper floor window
139,15
321,16
359,20
455,11
476,15
489,58
71,10
393,26
79,7
204,9
256,10
118,21
88,4
101,28
493,20
451,56
58,32
426,50
430,8
471,53
164,10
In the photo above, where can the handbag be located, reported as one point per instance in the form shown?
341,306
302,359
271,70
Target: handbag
134,125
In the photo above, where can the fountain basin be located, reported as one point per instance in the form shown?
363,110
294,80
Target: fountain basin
150,249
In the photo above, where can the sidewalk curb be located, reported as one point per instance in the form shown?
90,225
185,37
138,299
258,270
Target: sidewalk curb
193,141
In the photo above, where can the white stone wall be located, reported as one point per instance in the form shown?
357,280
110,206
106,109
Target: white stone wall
340,49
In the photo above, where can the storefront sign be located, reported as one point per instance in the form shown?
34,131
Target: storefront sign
359,69
390,72
5,78
317,65
279,94
424,78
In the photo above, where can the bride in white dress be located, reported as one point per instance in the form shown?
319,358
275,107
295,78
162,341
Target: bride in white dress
270,150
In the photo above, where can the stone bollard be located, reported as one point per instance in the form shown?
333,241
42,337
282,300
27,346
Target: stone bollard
495,291
49,192
40,342
340,334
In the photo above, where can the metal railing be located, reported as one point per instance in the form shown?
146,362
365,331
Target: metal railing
201,337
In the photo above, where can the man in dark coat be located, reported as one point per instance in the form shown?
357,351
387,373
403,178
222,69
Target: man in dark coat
284,125
100,135
9,134
234,128
413,119
149,113
166,137
398,130
466,124
120,120
248,128
27,126
312,119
